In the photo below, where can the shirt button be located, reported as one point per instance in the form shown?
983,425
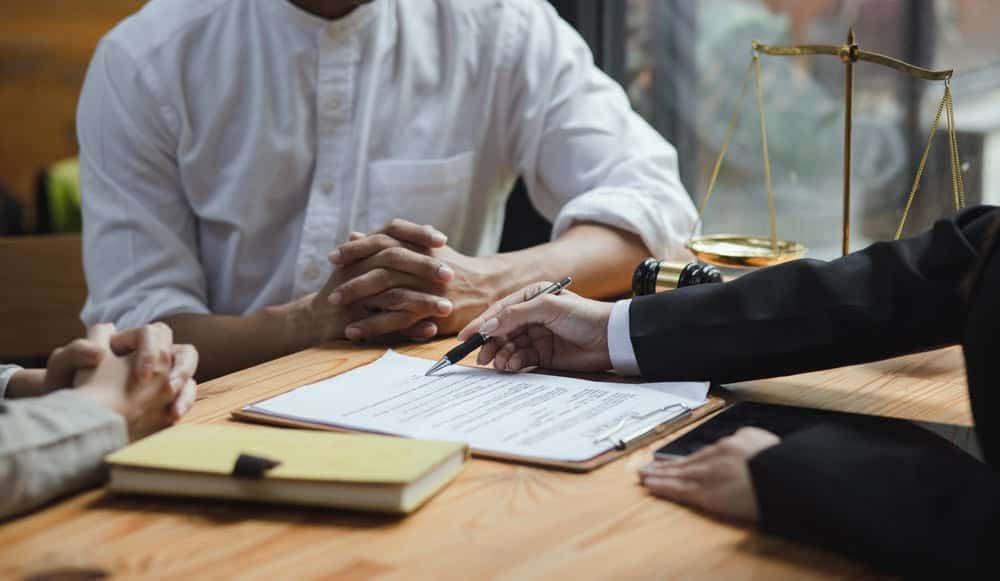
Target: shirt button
327,188
311,272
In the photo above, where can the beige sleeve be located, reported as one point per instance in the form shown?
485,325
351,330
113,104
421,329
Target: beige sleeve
53,445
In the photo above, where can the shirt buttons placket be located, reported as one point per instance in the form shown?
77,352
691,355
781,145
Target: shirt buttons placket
325,211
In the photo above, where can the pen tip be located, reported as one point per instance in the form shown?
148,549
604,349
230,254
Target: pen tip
437,367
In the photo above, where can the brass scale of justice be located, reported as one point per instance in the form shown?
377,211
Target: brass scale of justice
747,251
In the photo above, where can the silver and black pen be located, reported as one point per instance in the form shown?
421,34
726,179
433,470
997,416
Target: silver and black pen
479,339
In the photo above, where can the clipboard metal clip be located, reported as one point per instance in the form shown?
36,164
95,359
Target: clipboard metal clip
622,443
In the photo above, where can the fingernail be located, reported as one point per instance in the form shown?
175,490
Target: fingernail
335,256
353,333
445,272
489,326
444,306
336,298
438,237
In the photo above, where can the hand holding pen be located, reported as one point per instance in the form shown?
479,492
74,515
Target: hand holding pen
480,338
561,331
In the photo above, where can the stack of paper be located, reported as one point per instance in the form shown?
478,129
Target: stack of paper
514,415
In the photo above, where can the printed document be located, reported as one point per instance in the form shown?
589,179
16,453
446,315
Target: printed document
513,414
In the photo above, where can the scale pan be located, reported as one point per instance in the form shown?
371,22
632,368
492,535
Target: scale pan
741,251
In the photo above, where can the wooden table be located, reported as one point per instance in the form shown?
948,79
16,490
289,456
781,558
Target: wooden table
495,521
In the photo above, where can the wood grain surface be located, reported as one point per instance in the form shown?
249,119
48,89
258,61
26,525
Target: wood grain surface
496,521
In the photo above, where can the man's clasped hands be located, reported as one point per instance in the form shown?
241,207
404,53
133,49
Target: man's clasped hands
403,279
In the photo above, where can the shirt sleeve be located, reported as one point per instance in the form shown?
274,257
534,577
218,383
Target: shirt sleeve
139,232
620,340
51,446
6,373
571,133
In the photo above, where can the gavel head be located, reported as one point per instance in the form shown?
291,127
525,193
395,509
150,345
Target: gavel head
653,276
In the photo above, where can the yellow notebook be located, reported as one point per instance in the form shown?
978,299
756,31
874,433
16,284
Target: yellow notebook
363,472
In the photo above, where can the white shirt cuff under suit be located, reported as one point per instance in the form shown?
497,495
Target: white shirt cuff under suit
620,340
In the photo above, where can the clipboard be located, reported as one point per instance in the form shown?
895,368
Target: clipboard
622,440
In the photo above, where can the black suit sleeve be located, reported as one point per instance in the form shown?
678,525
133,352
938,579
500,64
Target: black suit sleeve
889,299
896,500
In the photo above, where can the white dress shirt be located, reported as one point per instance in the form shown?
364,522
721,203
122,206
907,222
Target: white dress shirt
620,348
228,145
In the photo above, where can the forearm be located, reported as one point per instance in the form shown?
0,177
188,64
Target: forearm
229,343
398,285
600,259
53,445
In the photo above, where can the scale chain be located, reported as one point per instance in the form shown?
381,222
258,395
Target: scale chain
754,69
733,120
763,145
957,183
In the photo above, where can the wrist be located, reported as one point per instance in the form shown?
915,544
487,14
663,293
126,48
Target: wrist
500,276
304,323
604,332
522,268
102,396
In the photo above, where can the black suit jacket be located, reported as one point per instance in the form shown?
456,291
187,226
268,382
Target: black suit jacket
897,499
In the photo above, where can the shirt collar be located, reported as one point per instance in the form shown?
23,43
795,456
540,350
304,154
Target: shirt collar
354,22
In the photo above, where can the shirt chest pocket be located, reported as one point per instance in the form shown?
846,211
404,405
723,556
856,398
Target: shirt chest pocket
432,191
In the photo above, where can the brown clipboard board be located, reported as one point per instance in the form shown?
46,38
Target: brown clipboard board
625,446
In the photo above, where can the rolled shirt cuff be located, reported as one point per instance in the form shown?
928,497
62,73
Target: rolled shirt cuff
663,222
147,309
620,340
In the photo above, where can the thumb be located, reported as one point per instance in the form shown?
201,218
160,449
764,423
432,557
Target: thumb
101,336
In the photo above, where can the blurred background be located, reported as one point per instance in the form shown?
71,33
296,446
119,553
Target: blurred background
45,48
684,64
681,62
